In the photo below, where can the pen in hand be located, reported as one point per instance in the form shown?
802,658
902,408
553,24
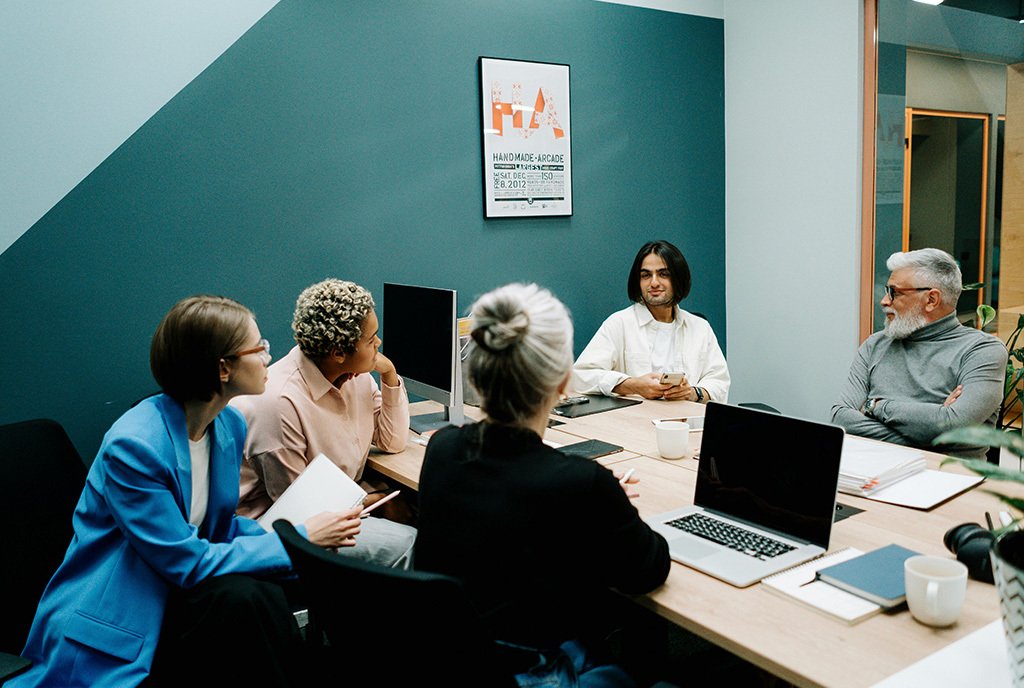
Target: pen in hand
366,512
628,487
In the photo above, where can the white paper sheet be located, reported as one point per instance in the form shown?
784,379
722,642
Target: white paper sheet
321,487
926,489
866,459
978,659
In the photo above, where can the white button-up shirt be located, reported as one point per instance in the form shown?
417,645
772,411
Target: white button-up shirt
622,349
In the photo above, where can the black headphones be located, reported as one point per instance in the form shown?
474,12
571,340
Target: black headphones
971,544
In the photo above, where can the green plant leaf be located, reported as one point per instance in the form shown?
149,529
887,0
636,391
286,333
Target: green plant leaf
987,470
984,435
973,286
986,314
1016,502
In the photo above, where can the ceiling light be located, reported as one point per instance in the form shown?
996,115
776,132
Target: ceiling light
930,2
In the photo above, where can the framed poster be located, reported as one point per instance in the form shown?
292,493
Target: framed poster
527,138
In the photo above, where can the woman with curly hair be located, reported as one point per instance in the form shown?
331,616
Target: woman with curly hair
320,399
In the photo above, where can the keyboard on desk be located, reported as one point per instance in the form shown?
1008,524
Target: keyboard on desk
733,537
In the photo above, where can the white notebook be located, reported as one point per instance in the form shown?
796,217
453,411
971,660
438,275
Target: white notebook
321,487
799,583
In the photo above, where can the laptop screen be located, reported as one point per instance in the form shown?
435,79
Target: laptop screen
769,470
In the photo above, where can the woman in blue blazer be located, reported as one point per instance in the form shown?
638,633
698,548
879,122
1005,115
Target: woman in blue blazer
155,530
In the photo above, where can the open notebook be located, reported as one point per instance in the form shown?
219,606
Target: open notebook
321,487
800,584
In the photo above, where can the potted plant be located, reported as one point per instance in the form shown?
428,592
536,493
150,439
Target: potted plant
1010,408
1007,552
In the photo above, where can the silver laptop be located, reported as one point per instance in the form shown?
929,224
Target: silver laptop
765,496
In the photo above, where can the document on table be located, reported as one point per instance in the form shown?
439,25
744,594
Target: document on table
925,489
868,466
978,659
896,474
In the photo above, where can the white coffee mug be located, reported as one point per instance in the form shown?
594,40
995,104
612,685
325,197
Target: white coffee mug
936,587
673,439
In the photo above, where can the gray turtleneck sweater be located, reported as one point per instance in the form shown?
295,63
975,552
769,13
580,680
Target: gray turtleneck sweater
912,377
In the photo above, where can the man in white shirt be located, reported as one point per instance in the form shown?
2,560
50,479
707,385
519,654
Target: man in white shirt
634,347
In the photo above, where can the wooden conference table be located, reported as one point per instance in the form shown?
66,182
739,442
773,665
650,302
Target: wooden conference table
796,644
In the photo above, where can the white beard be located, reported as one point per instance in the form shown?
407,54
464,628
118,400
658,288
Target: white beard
902,326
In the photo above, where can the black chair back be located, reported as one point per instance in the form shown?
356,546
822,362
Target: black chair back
408,627
759,406
43,476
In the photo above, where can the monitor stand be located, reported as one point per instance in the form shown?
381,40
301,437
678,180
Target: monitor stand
429,422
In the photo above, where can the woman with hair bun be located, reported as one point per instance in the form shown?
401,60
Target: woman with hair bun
538,537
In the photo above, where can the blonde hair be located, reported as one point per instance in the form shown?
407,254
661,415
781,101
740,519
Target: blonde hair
521,350
329,316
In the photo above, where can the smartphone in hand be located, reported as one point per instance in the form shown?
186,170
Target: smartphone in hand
672,378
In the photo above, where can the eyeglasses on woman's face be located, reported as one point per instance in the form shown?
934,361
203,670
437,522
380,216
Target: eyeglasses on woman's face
263,349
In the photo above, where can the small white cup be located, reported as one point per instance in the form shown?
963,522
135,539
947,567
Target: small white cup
673,439
936,587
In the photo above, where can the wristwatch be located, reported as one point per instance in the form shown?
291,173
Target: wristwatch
700,394
869,407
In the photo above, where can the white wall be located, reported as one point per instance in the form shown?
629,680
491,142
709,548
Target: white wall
793,102
78,79
701,8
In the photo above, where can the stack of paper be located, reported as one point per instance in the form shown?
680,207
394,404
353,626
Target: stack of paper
867,466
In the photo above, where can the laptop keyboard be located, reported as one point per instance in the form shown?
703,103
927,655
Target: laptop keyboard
731,536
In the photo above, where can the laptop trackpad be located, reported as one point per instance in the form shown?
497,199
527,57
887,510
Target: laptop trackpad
692,549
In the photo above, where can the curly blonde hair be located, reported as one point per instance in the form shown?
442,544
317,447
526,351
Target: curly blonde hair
329,316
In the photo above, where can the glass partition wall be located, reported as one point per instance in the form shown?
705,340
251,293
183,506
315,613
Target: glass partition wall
944,89
945,192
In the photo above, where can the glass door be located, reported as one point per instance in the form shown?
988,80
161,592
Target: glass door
945,179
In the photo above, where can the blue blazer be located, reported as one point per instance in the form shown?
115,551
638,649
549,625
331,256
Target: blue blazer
99,619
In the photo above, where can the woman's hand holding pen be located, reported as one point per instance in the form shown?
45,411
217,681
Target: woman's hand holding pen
628,481
334,528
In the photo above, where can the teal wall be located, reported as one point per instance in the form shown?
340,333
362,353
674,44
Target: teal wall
342,139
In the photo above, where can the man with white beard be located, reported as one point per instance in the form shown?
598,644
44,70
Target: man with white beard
925,373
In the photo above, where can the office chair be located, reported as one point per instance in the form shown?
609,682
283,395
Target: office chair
759,406
410,627
42,478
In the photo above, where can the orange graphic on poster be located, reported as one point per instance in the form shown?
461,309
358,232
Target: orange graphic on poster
545,108
544,112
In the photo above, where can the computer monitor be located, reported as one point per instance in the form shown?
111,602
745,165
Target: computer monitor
421,338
